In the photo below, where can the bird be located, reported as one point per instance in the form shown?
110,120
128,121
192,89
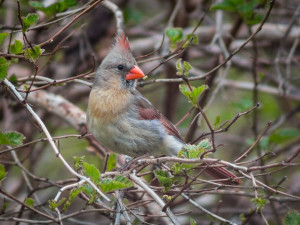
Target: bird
123,120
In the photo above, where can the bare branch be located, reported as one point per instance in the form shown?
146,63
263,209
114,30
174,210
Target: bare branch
50,139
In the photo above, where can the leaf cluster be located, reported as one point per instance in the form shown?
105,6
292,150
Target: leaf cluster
56,7
246,9
176,37
106,184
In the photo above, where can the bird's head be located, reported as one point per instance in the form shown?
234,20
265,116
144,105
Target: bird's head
118,69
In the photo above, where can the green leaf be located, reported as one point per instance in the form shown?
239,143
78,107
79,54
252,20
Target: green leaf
185,90
53,204
194,151
177,168
243,217
217,122
227,5
13,78
29,202
190,152
194,94
179,67
11,138
260,77
4,206
73,194
245,9
118,182
205,143
132,15
191,39
36,5
283,135
167,198
183,68
2,173
164,179
29,20
93,195
292,218
3,36
253,19
264,143
92,172
15,138
88,189
194,37
198,91
247,12
260,203
58,6
16,48
33,55
26,87
192,221
111,163
175,35
243,105
78,162
187,66
4,64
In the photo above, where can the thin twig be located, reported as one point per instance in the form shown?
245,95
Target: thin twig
63,80
50,139
226,128
160,202
206,211
192,161
254,143
180,80
51,39
27,206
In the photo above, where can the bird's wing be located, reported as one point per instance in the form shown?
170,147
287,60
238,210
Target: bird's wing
148,112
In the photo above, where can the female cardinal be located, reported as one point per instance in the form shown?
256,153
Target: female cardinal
123,120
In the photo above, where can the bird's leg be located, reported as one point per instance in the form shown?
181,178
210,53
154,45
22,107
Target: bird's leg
83,130
129,161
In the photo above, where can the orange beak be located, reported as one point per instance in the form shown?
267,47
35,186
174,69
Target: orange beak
134,73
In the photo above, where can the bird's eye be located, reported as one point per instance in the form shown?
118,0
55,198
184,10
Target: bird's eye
120,67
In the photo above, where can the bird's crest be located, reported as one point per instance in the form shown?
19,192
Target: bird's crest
122,41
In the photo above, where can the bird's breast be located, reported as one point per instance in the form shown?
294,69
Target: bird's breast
115,123
108,104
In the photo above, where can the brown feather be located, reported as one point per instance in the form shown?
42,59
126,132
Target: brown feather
148,112
107,104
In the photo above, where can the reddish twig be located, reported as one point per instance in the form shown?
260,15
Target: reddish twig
225,129
27,206
180,80
254,143
51,39
67,79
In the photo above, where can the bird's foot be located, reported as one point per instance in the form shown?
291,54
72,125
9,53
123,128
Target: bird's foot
130,162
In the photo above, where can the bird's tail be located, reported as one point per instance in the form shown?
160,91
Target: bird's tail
222,173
